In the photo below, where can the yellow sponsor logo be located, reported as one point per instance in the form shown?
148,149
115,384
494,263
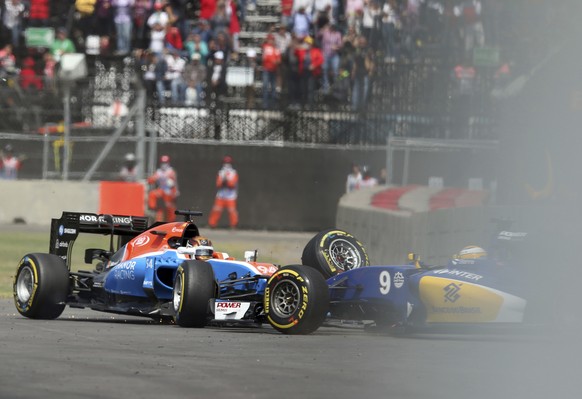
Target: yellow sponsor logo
266,299
454,301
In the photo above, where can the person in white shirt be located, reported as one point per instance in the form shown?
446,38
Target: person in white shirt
159,16
176,65
354,178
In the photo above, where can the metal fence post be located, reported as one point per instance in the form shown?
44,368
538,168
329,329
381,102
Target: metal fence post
67,129
140,132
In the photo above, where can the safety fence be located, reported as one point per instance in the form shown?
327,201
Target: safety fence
414,99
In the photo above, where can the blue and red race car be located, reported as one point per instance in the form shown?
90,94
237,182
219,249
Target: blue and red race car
165,271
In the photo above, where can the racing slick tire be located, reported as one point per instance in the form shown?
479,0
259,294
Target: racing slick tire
41,286
296,300
334,251
194,287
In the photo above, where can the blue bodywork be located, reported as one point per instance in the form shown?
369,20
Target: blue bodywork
397,294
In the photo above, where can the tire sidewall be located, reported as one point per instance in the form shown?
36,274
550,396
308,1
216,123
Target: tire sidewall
50,289
26,308
198,287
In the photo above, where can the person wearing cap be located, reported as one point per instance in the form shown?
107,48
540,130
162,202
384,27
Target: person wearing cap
271,62
128,171
286,12
310,61
162,196
226,195
218,74
250,77
62,44
9,164
159,16
194,75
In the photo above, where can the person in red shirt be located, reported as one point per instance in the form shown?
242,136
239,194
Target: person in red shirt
174,39
310,60
207,9
286,12
271,61
28,77
39,13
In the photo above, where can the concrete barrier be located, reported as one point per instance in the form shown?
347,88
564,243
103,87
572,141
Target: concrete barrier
434,235
37,201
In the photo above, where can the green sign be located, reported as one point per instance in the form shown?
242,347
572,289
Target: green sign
39,37
486,56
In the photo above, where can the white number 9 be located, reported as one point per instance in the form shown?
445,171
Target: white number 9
384,282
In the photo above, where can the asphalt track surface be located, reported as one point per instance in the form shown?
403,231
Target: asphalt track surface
88,354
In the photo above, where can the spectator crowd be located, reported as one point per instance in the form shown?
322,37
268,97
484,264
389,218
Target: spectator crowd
317,49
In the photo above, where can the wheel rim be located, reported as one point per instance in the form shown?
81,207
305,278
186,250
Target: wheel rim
25,284
177,299
344,255
285,298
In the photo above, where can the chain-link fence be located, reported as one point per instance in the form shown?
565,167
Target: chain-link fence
415,99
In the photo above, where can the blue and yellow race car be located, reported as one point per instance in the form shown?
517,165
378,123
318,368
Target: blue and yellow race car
474,287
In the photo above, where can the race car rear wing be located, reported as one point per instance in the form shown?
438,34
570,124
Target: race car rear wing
66,229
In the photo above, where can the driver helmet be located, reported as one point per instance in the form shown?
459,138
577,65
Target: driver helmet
203,245
471,252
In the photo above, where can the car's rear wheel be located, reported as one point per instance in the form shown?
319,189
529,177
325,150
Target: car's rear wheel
296,300
41,286
334,251
194,287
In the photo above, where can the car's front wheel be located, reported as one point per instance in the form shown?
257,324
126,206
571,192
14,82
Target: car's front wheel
41,286
194,287
296,300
